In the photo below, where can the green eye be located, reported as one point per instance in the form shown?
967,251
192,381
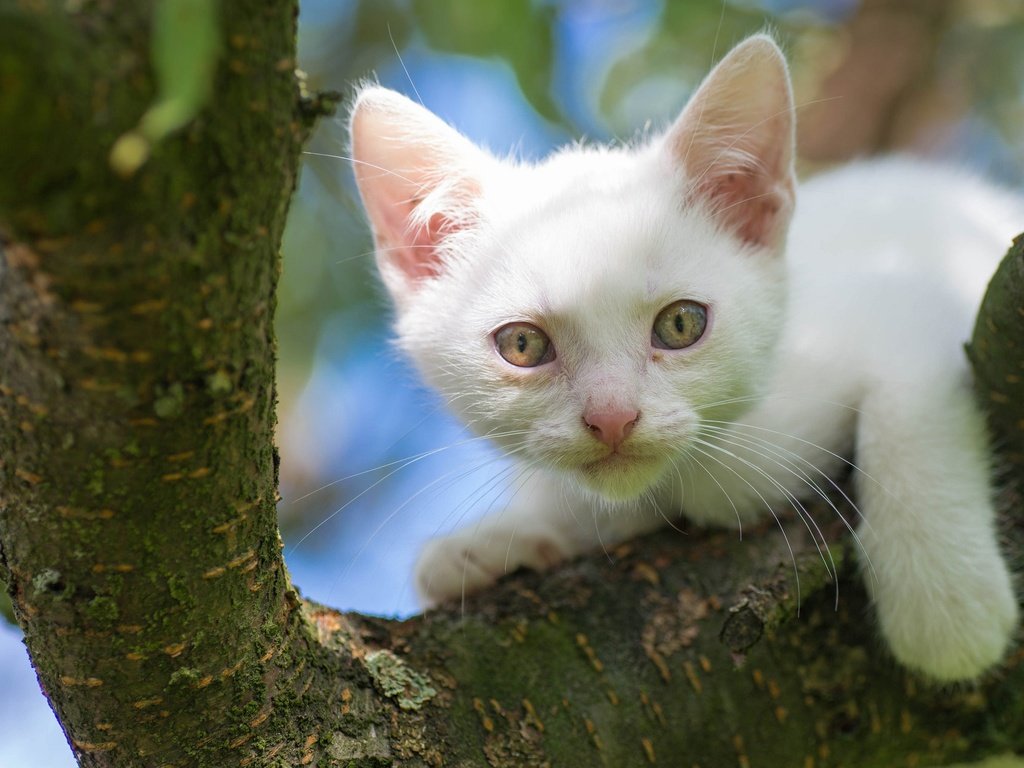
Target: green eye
679,325
524,345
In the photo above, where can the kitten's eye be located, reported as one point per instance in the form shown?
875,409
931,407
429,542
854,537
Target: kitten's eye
679,325
524,345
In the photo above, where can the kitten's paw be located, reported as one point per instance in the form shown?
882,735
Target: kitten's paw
951,629
474,558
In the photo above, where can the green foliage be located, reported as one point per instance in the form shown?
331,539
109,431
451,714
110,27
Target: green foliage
186,44
518,31
185,48
6,609
685,44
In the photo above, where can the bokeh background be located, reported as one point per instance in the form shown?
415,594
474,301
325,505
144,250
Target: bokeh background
371,465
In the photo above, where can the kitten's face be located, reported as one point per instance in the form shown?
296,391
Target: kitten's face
602,248
589,312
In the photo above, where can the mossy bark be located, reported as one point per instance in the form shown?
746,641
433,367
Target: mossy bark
137,529
997,354
137,386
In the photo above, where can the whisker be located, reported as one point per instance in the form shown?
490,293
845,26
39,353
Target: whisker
773,447
808,520
752,444
374,166
771,511
652,500
466,504
714,51
799,395
408,460
679,475
739,520
810,443
449,478
366,254
600,540
521,478
524,478
404,68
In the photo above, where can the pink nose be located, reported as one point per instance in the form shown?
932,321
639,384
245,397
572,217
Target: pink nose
611,426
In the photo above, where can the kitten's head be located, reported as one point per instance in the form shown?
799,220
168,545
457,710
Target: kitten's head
591,311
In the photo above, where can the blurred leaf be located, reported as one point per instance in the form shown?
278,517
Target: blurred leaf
186,46
342,47
515,30
381,22
381,29
689,39
995,68
6,609
185,49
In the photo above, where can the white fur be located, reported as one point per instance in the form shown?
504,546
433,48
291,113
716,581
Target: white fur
853,340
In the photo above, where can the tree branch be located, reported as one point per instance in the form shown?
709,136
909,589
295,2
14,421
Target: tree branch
996,352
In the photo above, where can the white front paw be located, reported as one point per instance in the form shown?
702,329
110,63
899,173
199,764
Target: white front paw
476,557
951,626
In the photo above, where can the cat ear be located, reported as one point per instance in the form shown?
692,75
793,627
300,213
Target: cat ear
734,142
417,177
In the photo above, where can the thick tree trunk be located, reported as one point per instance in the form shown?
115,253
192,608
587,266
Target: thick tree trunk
137,506
137,523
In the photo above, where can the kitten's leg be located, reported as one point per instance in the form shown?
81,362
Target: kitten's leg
942,589
547,522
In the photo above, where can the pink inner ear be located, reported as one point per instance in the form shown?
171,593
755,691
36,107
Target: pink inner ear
746,202
413,248
419,256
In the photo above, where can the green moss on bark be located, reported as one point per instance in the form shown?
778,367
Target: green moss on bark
136,391
997,354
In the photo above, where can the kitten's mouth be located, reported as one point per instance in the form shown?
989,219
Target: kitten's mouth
613,461
620,476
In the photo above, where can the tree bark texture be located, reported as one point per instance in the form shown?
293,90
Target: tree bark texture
137,528
137,386
997,354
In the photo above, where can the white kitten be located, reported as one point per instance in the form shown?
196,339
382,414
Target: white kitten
624,321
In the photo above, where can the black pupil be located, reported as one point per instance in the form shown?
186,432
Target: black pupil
679,321
521,342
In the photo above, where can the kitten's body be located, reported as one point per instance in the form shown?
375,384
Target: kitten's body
887,262
852,342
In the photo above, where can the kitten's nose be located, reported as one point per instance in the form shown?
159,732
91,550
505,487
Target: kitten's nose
611,425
